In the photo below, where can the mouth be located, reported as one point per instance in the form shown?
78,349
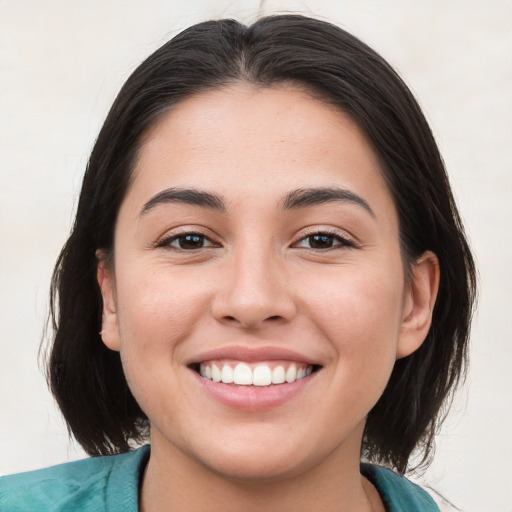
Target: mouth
254,379
262,374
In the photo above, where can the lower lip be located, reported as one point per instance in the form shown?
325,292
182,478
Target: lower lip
253,398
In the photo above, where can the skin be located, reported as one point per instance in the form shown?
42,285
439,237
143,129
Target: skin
260,282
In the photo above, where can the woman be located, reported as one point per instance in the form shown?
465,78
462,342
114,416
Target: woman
267,244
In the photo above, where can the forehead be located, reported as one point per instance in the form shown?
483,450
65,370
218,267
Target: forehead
247,141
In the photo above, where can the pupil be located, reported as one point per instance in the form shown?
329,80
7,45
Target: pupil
320,241
191,242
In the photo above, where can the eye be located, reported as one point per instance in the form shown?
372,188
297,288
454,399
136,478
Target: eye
187,241
319,241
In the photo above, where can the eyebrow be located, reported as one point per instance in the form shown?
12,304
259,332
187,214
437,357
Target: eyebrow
304,197
300,198
187,196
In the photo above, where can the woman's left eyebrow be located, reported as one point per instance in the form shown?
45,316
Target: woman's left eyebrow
304,197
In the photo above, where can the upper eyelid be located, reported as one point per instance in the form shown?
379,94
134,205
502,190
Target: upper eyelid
171,238
339,233
186,230
343,241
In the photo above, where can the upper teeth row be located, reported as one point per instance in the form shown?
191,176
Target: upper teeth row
262,375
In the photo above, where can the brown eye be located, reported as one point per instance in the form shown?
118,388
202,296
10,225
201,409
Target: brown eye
320,241
187,242
190,241
323,241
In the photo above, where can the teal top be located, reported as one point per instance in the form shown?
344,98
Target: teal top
111,484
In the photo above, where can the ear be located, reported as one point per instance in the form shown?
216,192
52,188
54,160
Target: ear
109,324
419,303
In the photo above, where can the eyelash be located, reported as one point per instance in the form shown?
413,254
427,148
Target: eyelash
333,237
167,242
344,242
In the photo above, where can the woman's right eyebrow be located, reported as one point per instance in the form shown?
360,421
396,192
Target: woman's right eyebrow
187,196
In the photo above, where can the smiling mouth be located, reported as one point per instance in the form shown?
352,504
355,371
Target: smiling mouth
262,374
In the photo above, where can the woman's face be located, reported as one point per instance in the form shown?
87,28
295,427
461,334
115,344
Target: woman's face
257,242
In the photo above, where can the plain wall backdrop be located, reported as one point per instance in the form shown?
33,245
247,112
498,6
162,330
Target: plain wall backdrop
62,63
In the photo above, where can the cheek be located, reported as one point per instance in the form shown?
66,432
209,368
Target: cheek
158,310
157,313
360,314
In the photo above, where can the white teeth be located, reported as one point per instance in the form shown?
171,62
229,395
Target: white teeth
215,374
242,375
278,375
262,376
227,374
291,374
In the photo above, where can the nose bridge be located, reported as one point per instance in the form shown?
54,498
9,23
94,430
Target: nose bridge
254,286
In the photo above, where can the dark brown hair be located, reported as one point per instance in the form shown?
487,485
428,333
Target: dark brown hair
87,379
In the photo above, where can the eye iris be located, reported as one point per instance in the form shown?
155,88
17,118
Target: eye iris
320,241
191,242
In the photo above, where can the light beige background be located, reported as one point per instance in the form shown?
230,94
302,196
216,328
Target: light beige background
61,64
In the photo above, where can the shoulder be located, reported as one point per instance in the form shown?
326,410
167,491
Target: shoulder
98,483
398,493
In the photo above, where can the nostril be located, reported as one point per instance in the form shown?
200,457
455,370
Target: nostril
251,320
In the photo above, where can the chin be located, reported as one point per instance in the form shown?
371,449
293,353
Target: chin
253,455
256,468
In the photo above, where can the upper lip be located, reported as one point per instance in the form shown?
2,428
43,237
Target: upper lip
249,354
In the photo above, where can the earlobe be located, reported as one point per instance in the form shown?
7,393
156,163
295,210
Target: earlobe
419,304
109,325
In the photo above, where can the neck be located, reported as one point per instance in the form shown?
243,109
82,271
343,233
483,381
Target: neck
174,481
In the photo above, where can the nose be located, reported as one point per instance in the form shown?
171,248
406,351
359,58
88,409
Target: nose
253,291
